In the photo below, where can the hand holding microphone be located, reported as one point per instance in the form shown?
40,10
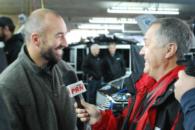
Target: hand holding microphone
85,111
75,87
89,113
75,90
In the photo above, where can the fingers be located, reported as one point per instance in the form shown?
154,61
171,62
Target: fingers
75,105
80,111
87,113
181,73
85,104
82,114
84,119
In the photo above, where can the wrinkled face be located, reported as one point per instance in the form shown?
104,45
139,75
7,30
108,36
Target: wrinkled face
112,49
153,53
53,42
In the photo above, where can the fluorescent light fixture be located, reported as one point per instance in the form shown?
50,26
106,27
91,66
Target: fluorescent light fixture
113,20
138,10
76,35
101,26
133,31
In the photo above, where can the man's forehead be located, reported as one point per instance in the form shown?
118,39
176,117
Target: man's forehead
151,32
146,39
58,29
147,36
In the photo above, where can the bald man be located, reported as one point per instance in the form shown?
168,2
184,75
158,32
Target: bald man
33,86
92,69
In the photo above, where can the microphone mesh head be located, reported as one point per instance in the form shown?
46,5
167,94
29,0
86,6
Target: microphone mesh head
70,77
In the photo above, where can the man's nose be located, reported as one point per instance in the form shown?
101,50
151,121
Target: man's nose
64,41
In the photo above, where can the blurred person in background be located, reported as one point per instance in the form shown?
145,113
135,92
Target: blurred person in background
13,42
3,59
113,64
92,69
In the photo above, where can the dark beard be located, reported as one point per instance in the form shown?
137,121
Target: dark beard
49,56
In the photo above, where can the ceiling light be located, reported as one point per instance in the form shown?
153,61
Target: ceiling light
75,35
113,20
138,10
100,26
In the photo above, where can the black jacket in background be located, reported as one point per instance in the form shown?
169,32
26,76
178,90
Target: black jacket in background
92,67
3,60
113,67
13,46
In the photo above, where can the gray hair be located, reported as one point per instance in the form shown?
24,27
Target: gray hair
94,46
36,22
173,30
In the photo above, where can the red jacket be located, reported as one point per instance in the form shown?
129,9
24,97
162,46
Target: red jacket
159,110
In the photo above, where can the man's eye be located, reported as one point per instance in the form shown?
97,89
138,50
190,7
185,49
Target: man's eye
60,36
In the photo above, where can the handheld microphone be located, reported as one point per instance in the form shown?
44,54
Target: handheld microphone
75,87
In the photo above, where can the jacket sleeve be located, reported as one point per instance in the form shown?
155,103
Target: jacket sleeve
16,41
87,68
170,115
13,113
123,67
109,121
15,52
188,107
4,121
106,72
175,114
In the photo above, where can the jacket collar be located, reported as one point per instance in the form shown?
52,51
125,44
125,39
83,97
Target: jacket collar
30,64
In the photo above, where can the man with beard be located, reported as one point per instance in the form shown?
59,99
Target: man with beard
32,87
13,42
154,106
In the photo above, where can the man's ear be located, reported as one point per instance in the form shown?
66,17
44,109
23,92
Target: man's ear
36,39
171,50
